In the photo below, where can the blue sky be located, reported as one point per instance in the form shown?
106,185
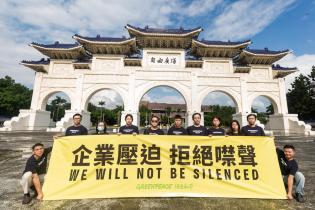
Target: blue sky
276,24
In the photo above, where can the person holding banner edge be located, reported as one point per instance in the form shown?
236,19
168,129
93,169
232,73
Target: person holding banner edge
34,172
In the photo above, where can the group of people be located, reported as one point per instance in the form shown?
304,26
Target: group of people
177,129
35,168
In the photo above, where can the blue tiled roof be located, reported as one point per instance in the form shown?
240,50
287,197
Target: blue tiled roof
210,42
42,61
164,31
278,67
265,51
98,38
57,45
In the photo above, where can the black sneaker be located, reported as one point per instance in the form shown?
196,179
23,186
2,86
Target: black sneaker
35,192
26,199
299,197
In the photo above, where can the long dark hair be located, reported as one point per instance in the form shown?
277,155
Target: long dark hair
105,128
239,127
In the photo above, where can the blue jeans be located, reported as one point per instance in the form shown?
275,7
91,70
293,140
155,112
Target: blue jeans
299,181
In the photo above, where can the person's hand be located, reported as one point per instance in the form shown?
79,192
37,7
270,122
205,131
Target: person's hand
210,135
134,133
289,196
226,135
40,197
118,134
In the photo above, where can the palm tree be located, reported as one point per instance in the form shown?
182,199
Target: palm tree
101,103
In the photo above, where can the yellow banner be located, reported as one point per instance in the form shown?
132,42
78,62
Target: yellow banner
108,166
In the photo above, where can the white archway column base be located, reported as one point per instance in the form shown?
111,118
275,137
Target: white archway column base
67,121
285,124
28,120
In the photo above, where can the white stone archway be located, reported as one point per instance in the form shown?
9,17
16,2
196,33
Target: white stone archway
234,96
274,100
174,85
88,94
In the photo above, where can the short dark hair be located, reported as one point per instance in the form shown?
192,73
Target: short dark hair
37,145
154,116
197,113
216,117
289,146
178,116
129,115
251,115
77,114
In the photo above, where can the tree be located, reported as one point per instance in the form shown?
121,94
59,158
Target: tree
301,96
224,112
57,108
13,97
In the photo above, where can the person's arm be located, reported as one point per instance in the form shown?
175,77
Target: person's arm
47,150
37,186
137,130
262,132
67,132
85,131
290,186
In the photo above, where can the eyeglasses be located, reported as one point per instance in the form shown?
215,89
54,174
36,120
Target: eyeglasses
154,121
77,118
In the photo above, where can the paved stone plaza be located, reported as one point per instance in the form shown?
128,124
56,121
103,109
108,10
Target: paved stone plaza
15,149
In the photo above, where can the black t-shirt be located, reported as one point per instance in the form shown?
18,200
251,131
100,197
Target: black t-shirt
197,131
149,131
252,131
216,131
177,131
288,167
76,130
37,166
128,129
230,133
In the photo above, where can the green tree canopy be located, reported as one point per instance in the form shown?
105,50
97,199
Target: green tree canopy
301,97
13,97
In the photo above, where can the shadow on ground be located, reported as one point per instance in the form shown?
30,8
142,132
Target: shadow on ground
15,149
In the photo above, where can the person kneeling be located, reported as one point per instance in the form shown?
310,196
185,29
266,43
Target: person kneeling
34,172
290,174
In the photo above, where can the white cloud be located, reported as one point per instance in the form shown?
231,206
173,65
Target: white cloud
22,22
218,98
174,99
243,19
110,97
304,64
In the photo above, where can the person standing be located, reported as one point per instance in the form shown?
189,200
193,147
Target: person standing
76,128
154,128
177,128
252,129
196,129
235,129
216,130
129,128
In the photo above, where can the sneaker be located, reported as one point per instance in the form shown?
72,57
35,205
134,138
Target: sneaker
35,192
299,197
26,199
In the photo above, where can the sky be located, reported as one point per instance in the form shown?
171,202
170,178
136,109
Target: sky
276,24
